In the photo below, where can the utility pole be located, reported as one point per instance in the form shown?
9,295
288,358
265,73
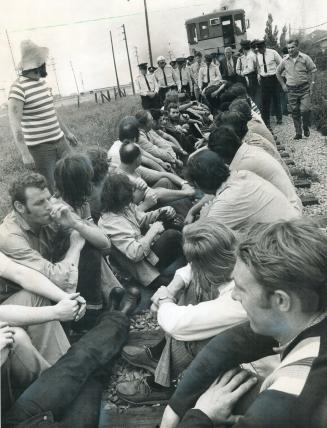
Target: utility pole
82,81
170,51
136,54
11,52
55,73
148,32
129,60
113,55
71,64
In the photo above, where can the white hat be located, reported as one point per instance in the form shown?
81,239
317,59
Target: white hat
161,58
33,56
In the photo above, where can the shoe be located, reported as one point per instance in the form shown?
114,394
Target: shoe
298,137
115,298
306,132
131,300
140,356
140,392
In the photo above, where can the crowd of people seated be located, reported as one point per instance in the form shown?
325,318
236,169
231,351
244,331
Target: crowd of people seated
193,215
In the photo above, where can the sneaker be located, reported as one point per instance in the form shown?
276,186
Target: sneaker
140,392
298,137
140,356
306,132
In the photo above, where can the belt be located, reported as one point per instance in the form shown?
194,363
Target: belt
298,86
268,75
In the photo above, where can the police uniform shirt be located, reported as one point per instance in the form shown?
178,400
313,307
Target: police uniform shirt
214,75
246,64
195,68
185,74
166,77
141,84
268,62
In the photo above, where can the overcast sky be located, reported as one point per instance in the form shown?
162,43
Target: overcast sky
60,26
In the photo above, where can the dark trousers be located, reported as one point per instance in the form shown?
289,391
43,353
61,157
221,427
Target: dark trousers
169,250
270,93
224,352
66,389
163,91
149,103
46,155
252,84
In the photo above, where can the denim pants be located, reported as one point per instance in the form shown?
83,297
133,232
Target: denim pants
46,155
225,351
66,393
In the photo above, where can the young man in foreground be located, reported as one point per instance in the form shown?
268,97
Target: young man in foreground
286,306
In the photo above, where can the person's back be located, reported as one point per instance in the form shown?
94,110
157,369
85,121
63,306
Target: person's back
245,199
258,127
258,161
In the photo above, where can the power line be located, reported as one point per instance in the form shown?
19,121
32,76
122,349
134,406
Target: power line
106,18
309,28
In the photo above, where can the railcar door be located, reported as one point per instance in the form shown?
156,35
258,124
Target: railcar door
228,30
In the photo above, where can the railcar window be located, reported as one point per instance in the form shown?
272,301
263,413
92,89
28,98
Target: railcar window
204,29
239,26
191,33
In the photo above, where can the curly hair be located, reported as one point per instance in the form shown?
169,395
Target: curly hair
73,177
224,142
22,182
207,170
117,193
100,163
290,256
210,249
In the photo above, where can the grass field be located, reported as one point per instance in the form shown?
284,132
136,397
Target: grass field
93,124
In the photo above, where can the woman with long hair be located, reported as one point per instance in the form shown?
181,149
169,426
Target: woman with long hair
195,306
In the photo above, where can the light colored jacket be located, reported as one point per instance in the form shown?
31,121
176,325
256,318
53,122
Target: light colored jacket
124,231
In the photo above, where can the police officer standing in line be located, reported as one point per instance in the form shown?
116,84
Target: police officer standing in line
246,67
268,61
209,73
184,81
166,78
195,68
146,86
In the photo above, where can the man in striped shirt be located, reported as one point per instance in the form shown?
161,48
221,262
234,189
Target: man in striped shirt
38,134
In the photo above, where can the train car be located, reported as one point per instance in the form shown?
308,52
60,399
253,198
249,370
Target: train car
214,31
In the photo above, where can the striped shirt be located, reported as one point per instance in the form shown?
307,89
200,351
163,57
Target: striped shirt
39,122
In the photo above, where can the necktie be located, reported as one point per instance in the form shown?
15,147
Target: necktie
264,63
164,76
180,76
208,74
230,67
147,83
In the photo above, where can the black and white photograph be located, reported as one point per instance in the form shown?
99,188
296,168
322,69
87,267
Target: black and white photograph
163,214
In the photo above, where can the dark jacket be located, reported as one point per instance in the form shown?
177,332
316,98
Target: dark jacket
224,68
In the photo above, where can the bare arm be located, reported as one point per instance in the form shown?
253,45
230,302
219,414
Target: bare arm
15,111
33,281
17,315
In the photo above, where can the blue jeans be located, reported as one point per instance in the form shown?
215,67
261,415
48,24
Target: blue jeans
225,351
67,393
46,155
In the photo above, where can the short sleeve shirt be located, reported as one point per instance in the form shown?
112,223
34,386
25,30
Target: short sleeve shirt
297,72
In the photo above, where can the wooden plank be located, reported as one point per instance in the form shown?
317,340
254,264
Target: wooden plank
289,161
284,154
309,199
145,417
302,182
280,148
